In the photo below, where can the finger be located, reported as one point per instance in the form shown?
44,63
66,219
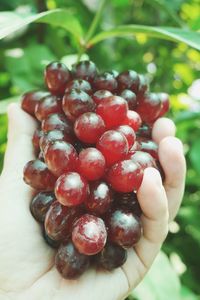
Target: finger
19,150
153,202
162,128
173,163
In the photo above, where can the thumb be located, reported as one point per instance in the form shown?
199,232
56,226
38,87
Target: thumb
19,149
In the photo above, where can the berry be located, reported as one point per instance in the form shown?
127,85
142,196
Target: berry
149,146
130,98
113,145
49,105
52,136
143,86
125,176
111,257
40,204
57,121
37,175
124,228
69,262
100,95
89,234
61,157
144,131
128,201
59,220
85,70
113,111
71,189
149,107
128,80
52,243
144,159
100,198
76,102
79,84
129,134
92,164
164,104
133,120
89,127
106,81
56,77
36,140
31,99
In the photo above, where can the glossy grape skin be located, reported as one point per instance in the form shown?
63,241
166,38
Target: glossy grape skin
56,77
145,131
149,107
71,189
76,102
128,201
143,86
89,234
89,127
113,145
149,146
59,221
31,99
50,242
100,198
52,136
61,157
40,204
130,98
144,159
125,176
106,81
129,134
36,140
49,105
111,257
164,98
79,84
69,262
100,95
92,164
124,228
86,70
113,111
128,80
37,175
58,122
133,120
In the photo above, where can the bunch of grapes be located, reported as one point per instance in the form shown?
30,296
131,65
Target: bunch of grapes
92,144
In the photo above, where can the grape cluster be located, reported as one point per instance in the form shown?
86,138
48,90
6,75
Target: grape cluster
92,145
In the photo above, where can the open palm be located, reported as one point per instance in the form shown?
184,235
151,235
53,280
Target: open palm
27,263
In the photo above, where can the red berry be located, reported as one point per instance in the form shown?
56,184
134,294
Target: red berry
50,242
85,69
133,120
128,80
106,81
89,127
100,198
145,131
128,201
125,176
79,84
113,110
40,205
113,145
61,157
149,146
89,234
143,86
164,104
58,122
59,221
31,99
129,134
49,105
36,140
149,107
77,102
144,159
130,98
37,175
71,189
92,164
69,262
56,77
124,228
54,135
100,95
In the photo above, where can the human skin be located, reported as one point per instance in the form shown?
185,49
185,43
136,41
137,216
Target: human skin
27,263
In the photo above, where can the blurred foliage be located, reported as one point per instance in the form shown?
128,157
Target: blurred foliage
170,67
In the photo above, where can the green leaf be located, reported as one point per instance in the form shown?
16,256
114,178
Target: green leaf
11,22
161,282
195,155
187,294
190,38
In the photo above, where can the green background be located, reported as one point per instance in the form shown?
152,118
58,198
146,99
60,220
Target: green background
171,67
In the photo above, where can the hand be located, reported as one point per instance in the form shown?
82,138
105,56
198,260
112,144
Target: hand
26,262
